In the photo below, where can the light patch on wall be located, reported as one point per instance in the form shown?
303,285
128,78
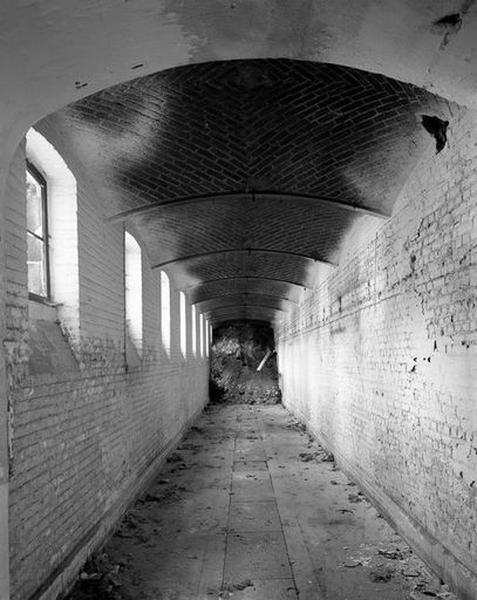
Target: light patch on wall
133,291
194,330
207,337
201,333
183,324
166,312
62,228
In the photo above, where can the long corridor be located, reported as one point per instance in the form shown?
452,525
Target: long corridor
250,507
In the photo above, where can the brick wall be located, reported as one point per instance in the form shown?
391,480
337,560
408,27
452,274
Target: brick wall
84,440
380,359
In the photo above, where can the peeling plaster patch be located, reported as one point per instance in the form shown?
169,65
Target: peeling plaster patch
437,128
464,464
449,23
10,429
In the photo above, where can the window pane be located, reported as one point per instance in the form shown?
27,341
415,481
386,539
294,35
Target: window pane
34,205
194,330
183,324
133,295
36,260
201,334
166,312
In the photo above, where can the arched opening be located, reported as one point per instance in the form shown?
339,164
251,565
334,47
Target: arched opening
166,312
59,255
133,288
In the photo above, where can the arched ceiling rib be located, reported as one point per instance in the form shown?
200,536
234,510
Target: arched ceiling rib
248,169
247,251
237,196
244,296
255,299
258,318
245,305
262,313
243,265
227,287
247,279
249,315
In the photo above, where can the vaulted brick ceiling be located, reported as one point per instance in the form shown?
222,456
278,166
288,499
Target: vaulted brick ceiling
240,174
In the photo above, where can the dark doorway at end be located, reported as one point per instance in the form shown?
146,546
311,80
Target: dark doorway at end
243,364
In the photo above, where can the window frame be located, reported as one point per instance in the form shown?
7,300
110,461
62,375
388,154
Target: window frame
41,180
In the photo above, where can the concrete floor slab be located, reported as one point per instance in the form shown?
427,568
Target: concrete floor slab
254,516
252,486
250,465
256,555
253,455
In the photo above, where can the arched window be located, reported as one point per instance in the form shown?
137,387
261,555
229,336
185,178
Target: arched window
52,230
207,339
201,333
133,291
38,253
194,329
183,324
166,312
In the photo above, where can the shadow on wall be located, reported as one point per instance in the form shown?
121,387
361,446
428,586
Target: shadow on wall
239,349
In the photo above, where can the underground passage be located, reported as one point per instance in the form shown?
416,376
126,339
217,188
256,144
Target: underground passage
238,288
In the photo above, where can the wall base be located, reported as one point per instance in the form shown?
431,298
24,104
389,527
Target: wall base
459,577
4,570
63,577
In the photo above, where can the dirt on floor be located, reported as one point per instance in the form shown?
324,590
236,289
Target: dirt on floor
250,507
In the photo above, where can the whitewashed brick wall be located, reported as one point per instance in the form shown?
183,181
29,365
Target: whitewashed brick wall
82,441
381,359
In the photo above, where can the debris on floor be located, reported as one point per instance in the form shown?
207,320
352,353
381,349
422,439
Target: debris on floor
249,508
381,573
175,457
320,455
99,580
232,587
